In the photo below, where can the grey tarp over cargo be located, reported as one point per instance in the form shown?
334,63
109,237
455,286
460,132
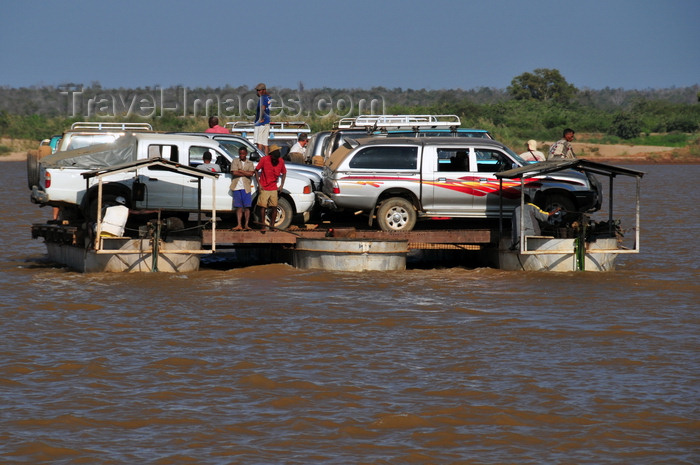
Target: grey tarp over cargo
123,150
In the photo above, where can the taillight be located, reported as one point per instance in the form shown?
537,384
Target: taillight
307,189
336,190
47,180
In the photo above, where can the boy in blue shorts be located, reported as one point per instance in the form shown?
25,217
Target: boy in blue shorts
243,171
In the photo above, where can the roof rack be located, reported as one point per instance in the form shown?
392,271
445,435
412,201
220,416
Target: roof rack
382,122
101,126
295,127
278,129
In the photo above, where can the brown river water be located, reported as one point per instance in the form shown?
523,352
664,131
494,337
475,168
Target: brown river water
273,365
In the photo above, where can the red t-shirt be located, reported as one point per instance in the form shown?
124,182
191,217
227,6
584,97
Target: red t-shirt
218,129
269,174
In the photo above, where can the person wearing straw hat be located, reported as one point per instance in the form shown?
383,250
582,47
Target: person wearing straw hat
268,171
532,154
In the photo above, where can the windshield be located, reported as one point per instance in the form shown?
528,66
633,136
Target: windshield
516,157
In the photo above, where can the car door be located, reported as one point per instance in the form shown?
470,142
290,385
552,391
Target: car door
222,183
163,188
487,193
446,177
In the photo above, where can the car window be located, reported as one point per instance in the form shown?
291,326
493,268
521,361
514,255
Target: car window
196,153
492,161
386,158
232,146
78,141
453,159
168,152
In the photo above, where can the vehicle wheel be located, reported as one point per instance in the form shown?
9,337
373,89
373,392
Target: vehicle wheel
32,169
108,200
396,214
285,213
561,201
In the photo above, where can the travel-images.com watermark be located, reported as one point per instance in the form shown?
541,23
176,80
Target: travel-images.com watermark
183,102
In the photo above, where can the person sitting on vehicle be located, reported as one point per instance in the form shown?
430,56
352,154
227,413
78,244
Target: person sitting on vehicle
297,154
214,126
208,165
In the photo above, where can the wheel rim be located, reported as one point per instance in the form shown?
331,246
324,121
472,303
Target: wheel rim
279,219
281,216
396,217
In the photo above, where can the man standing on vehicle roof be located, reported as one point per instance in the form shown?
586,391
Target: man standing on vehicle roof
262,118
562,149
267,172
214,126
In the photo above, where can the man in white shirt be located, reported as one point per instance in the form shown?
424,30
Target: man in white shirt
297,154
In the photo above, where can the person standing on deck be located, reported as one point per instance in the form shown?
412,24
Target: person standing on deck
267,172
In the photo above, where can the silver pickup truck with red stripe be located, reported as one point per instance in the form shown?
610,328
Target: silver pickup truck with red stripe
400,180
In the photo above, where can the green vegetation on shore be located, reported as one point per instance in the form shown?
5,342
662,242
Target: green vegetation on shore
537,105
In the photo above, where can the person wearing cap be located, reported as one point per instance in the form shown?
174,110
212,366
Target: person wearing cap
562,149
532,154
268,170
297,154
262,118
214,126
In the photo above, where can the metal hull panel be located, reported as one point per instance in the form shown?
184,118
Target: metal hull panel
512,260
112,260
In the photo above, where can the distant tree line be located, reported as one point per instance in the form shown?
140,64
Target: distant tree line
537,104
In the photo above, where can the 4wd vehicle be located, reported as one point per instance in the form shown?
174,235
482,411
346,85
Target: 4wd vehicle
80,135
400,180
152,187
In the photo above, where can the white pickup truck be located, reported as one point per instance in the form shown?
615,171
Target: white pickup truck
61,182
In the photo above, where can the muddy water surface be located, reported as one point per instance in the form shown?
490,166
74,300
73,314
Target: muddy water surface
272,365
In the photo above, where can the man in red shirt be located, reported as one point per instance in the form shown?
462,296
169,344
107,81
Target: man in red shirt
269,170
214,126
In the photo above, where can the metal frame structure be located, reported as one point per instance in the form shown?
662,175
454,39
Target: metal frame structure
111,126
536,169
167,165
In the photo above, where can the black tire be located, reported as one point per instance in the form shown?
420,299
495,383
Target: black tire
32,169
108,200
285,214
559,201
396,214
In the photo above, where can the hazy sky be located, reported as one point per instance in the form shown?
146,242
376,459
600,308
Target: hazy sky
437,44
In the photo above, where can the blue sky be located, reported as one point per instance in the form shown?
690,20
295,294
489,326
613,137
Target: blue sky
439,44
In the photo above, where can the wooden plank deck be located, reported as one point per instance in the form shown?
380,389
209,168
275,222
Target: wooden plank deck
421,239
